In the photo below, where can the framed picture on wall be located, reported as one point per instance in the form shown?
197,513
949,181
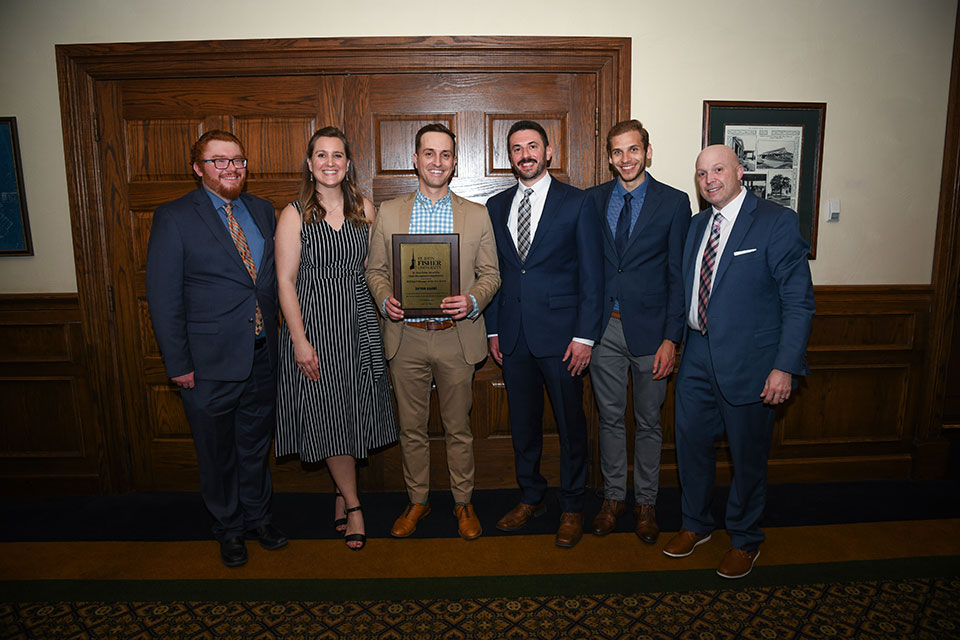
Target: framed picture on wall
780,145
14,224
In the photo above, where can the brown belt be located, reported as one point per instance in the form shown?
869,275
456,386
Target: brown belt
432,325
615,314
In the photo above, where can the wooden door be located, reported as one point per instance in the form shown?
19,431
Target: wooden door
147,130
479,108
148,103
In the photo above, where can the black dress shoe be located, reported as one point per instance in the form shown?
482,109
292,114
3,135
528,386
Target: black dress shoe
233,552
269,536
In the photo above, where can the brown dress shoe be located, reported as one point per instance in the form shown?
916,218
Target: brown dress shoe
683,544
647,529
406,524
606,519
570,530
467,521
737,563
519,515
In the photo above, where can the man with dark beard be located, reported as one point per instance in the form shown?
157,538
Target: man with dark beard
212,291
544,321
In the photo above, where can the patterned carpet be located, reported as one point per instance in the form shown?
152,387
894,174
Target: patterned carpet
880,561
914,609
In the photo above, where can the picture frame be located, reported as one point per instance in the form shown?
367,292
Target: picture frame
15,237
780,145
426,269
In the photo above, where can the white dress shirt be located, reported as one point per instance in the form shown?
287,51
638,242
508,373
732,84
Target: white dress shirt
729,213
537,199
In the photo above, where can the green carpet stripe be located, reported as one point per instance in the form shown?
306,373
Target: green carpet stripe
477,587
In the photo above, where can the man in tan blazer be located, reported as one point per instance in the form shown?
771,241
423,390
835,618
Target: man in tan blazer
445,349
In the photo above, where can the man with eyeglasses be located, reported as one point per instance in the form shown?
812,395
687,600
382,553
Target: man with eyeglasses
212,292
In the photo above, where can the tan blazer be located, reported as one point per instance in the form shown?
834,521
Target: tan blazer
479,269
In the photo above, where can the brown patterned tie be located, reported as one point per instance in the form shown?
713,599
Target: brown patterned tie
240,241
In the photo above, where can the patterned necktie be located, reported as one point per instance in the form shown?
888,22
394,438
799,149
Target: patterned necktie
623,226
523,225
240,241
706,272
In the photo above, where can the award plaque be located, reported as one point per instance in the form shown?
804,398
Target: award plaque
426,269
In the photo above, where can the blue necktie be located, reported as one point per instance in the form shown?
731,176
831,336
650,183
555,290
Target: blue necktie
623,226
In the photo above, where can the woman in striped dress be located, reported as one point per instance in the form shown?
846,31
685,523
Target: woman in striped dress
334,401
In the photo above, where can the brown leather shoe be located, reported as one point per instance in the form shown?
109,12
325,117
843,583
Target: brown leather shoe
737,563
683,544
519,515
467,521
570,530
647,529
606,519
406,524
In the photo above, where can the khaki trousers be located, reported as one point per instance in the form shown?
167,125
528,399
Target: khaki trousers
425,356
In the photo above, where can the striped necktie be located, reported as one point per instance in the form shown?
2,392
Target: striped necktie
706,272
523,225
240,241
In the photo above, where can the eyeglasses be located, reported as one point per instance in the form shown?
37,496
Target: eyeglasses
223,163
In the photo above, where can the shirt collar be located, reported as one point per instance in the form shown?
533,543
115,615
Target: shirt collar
217,200
638,192
539,187
730,211
424,200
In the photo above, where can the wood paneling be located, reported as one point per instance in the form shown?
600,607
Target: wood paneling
151,101
864,413
49,441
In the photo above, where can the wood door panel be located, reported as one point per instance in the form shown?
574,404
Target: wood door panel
217,96
148,118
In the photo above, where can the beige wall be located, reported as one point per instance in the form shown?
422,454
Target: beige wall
882,67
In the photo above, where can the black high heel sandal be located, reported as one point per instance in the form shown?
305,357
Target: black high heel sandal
339,522
355,537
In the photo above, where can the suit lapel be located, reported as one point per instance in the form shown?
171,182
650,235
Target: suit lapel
555,197
211,218
737,234
606,191
695,235
650,204
501,213
259,216
459,219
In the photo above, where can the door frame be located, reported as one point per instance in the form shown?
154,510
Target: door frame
81,66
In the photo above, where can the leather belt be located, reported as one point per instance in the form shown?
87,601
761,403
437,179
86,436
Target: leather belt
432,325
615,314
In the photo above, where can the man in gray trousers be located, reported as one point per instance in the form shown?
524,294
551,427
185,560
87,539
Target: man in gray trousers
645,225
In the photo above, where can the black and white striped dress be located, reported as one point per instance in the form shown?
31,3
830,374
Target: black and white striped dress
349,411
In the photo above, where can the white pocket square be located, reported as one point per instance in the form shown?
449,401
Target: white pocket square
743,251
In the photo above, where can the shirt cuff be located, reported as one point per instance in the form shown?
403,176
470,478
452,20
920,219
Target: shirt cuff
589,343
476,309
492,335
383,308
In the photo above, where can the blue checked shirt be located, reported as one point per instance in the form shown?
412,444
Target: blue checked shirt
433,218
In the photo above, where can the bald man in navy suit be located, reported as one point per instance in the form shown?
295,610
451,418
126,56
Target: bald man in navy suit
749,308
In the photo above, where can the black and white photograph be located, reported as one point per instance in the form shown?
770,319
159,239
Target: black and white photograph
757,183
771,156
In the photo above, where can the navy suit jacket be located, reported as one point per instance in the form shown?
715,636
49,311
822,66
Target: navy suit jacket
761,306
647,279
555,295
202,300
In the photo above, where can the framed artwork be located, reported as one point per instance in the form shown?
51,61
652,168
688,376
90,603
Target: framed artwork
780,145
14,224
